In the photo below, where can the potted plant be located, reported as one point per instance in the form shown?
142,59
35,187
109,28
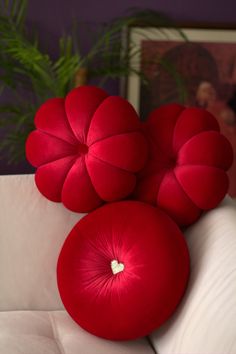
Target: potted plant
32,76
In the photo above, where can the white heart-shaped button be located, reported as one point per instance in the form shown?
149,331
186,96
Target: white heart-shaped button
117,267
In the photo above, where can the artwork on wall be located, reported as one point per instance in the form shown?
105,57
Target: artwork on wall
199,71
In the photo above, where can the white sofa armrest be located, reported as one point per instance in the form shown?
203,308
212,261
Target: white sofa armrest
205,322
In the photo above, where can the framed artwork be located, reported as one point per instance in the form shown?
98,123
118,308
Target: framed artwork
198,70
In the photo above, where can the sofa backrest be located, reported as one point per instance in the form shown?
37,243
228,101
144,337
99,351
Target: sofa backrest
32,231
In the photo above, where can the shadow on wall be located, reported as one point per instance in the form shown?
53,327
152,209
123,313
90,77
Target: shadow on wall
12,169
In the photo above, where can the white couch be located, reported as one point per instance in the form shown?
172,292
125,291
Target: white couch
32,318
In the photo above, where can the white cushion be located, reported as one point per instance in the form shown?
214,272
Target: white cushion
32,231
41,332
205,322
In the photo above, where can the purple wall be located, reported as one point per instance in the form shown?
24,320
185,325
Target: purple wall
51,18
58,14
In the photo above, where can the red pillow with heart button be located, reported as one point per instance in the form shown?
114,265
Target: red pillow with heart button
87,148
186,170
123,270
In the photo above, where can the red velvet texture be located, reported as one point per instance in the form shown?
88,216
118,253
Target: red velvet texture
186,170
142,296
87,148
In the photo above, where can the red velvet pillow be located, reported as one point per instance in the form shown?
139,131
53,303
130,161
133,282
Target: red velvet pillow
87,148
122,270
186,171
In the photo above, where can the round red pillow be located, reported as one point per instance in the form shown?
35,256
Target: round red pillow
122,270
186,170
87,148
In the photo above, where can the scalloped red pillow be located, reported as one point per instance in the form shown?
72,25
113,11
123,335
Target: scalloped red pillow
186,170
122,270
87,148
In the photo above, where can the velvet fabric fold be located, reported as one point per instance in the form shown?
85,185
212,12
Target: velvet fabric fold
188,160
87,147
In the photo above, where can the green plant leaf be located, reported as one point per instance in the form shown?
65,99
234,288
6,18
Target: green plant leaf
33,77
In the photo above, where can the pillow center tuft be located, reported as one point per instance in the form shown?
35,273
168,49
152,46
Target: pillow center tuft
82,149
117,267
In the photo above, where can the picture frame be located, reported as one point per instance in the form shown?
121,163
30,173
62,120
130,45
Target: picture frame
202,73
